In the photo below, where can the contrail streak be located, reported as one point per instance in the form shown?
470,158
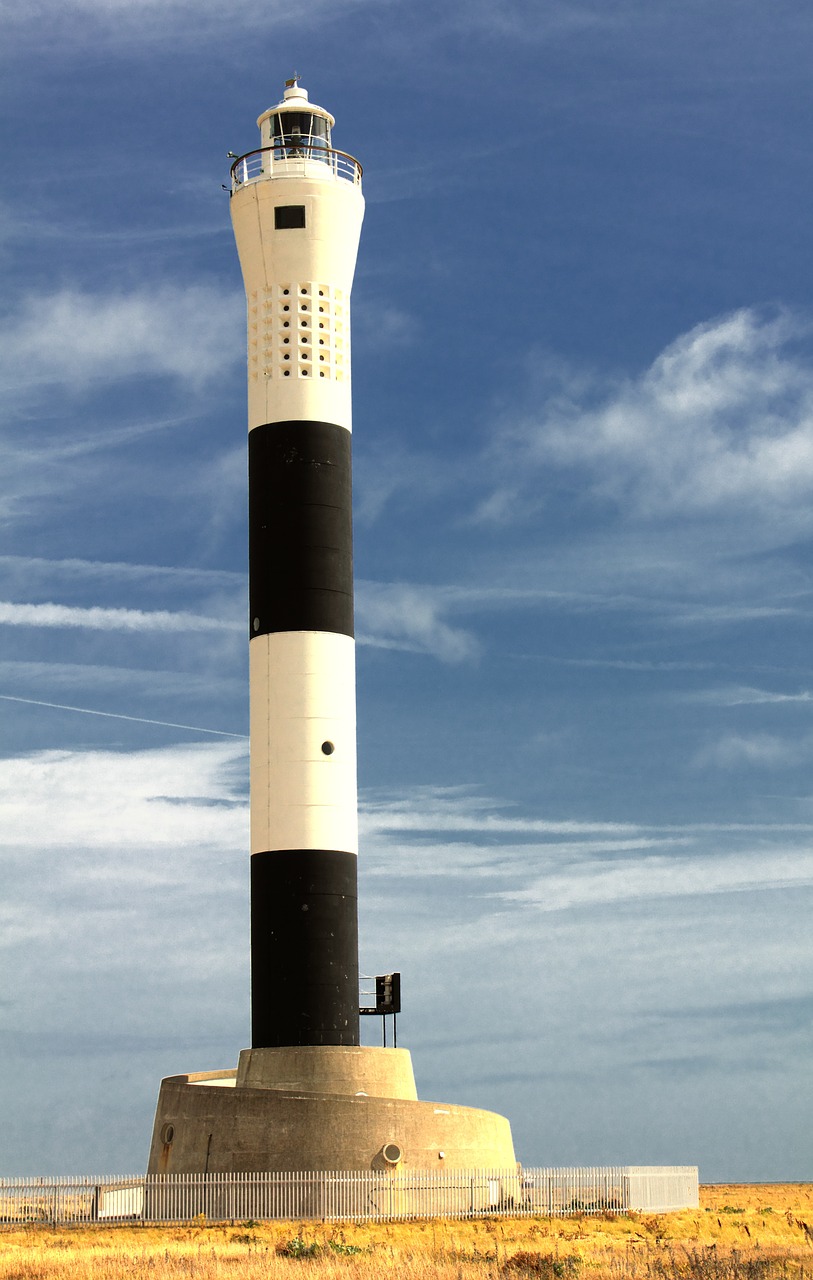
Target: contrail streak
117,715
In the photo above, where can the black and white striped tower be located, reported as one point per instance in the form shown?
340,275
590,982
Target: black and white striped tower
297,210
306,1096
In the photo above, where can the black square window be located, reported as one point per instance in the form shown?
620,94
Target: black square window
289,215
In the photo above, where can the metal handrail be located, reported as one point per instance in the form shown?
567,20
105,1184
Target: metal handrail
251,166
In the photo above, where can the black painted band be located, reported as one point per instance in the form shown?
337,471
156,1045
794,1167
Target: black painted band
300,534
304,948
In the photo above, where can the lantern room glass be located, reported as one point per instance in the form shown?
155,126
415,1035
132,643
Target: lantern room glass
299,133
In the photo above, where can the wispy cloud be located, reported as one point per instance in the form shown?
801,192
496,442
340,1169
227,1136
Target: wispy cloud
743,696
416,617
465,811
655,875
710,448
754,750
98,619
146,21
502,872
629,664
429,809
722,420
59,680
34,228
198,19
42,569
378,324
80,339
173,797
409,617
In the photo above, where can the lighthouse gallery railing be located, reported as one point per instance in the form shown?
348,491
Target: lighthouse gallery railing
294,161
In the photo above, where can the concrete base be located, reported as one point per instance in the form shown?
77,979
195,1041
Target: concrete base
319,1108
377,1073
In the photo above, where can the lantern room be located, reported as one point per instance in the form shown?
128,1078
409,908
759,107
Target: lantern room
296,127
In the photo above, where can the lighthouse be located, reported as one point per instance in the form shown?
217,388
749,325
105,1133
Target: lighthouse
297,209
305,1096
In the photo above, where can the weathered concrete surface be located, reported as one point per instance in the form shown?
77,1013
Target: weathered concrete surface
380,1073
202,1126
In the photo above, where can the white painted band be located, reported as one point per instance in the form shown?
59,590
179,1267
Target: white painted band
282,385
303,695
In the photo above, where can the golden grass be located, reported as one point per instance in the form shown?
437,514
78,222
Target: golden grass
739,1233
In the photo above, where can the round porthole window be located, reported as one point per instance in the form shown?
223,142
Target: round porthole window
328,748
392,1153
167,1133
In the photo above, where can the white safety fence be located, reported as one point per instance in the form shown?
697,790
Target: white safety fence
361,1196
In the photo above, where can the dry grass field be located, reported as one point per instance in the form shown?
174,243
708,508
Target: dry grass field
739,1233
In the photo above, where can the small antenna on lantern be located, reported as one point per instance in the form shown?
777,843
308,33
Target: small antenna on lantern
293,82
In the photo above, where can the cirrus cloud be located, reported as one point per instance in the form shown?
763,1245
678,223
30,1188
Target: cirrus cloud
79,339
754,750
395,615
99,619
722,419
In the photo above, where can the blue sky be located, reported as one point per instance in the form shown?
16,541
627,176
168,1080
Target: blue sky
583,410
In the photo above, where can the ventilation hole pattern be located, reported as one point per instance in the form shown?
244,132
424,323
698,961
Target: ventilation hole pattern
299,329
